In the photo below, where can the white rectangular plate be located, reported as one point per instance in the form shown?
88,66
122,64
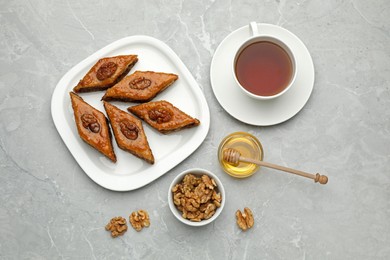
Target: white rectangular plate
130,172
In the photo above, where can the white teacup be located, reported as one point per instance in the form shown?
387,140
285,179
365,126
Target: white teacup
264,67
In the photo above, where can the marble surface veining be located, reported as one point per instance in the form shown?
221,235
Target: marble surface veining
50,209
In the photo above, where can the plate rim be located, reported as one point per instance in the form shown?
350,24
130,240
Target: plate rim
162,167
249,122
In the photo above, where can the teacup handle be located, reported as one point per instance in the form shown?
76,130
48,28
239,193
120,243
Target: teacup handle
254,30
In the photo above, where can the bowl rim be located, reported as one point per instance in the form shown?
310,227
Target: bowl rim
177,213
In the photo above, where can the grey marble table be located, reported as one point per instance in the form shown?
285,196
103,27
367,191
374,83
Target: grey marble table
50,209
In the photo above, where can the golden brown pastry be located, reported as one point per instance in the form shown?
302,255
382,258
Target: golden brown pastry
163,116
105,73
92,126
141,86
129,133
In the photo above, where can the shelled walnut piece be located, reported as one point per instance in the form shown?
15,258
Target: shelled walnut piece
117,226
139,219
196,197
245,220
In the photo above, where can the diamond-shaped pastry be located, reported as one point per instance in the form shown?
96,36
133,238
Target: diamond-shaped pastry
92,126
141,86
163,116
106,73
129,133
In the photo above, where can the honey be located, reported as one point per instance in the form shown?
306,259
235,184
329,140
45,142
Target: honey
248,146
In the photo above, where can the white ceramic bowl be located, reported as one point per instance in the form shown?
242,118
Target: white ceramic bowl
197,172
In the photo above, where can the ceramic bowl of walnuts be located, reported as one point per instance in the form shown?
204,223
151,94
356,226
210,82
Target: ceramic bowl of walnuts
196,197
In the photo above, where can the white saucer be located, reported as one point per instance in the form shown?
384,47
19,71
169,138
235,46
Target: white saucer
250,110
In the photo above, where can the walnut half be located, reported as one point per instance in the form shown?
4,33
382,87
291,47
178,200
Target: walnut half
129,129
160,115
90,122
140,83
245,220
106,70
117,226
139,219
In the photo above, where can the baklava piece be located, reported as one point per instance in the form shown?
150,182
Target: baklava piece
129,133
163,116
92,126
106,73
141,86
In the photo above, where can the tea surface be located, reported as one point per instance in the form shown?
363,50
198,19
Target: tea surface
263,68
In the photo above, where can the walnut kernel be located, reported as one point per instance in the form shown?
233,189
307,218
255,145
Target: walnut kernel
117,226
129,129
106,70
160,115
140,83
245,220
90,122
196,197
139,219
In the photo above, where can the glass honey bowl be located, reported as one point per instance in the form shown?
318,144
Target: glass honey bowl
248,146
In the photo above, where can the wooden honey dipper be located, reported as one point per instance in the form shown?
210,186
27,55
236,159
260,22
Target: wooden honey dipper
234,157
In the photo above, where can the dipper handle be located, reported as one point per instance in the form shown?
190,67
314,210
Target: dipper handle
234,157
